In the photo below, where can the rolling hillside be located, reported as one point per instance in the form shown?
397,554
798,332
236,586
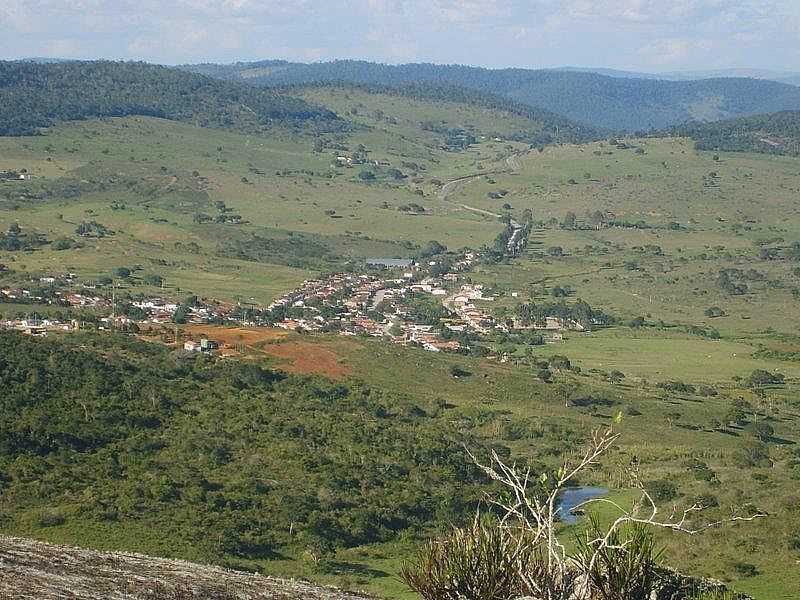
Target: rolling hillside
611,102
776,133
33,96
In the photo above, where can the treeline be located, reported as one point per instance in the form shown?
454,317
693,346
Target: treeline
579,312
614,103
33,96
775,133
218,461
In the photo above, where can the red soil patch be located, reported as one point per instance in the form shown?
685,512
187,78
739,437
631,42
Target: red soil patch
305,357
233,336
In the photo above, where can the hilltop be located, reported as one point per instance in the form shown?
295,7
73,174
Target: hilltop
36,95
617,103
38,571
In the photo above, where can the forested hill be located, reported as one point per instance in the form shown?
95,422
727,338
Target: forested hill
776,133
38,95
602,101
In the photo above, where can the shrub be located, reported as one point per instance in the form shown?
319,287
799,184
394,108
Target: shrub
624,569
744,569
51,519
752,454
760,377
661,490
761,431
479,562
458,372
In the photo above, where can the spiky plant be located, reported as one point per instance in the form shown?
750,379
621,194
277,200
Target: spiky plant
621,564
478,562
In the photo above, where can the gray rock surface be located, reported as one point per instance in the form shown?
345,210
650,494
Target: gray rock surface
31,570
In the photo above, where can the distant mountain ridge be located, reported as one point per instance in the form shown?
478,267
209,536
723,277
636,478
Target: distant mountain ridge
616,103
789,77
35,95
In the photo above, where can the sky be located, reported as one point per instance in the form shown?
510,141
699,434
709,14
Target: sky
642,35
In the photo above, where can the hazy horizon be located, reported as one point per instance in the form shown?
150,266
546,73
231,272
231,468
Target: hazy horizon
630,35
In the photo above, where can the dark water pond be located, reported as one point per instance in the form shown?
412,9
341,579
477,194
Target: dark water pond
572,497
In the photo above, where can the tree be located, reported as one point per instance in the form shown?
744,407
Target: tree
366,175
121,272
153,279
432,248
760,378
555,251
519,553
458,372
637,323
761,431
569,221
181,315
738,412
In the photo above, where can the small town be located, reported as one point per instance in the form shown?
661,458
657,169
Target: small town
349,304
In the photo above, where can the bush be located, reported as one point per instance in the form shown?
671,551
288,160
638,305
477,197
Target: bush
480,562
743,569
753,454
661,490
458,372
760,377
626,569
51,519
761,430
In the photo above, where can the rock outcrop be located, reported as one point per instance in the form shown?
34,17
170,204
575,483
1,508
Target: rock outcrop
31,570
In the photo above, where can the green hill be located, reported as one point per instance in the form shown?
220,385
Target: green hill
775,133
33,96
612,102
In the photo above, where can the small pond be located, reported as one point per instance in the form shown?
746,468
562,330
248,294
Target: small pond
572,497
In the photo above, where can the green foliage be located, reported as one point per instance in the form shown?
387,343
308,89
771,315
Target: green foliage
33,96
15,240
774,133
661,490
761,431
225,458
603,101
760,378
479,562
625,568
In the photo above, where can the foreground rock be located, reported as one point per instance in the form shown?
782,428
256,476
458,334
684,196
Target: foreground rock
31,570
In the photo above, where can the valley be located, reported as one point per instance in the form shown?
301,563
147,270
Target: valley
400,278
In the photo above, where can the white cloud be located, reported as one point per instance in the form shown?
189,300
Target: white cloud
616,33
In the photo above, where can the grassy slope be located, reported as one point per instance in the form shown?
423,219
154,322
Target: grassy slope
149,227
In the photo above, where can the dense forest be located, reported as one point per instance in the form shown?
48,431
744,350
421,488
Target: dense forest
776,133
33,96
219,460
616,103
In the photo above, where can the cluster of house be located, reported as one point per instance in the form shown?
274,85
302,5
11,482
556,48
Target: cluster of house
204,345
462,304
349,161
39,327
355,304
